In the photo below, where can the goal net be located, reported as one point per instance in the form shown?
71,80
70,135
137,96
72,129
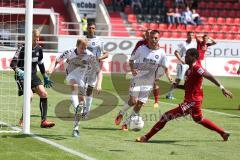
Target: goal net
12,28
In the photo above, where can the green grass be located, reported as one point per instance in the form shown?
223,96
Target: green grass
101,139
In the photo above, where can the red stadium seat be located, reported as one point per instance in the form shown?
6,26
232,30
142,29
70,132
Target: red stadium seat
223,13
212,35
214,13
190,28
138,33
163,27
216,28
132,18
235,29
229,21
207,28
199,28
236,6
230,36
167,34
205,13
202,5
154,26
145,25
237,36
204,20
226,28
232,14
181,27
236,21
220,20
220,36
219,5
227,5
210,5
176,34
172,27
212,20
137,27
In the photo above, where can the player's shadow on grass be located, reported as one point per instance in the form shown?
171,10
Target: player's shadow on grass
104,129
34,115
170,142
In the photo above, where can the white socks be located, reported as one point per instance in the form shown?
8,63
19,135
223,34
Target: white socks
124,108
74,99
88,104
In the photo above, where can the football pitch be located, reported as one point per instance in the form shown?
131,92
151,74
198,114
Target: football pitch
101,139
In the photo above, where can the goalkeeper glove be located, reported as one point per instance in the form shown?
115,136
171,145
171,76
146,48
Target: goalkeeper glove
20,73
47,82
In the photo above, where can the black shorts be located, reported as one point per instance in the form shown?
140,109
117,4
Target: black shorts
36,81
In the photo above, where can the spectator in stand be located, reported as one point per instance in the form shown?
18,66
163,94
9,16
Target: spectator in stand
196,17
178,16
136,3
188,17
84,24
170,16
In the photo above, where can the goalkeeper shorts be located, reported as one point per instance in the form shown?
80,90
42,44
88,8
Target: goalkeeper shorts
36,81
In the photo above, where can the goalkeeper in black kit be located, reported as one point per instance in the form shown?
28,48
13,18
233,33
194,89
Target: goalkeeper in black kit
17,65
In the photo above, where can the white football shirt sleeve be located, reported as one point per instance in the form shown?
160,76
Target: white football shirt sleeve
164,62
65,55
135,55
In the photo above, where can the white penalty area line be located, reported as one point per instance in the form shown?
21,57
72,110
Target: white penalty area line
56,145
207,110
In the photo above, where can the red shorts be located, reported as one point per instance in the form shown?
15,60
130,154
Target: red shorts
192,108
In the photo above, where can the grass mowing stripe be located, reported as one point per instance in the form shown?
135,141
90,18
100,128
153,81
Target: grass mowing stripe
56,145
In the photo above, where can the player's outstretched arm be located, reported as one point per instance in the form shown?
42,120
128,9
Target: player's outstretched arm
213,42
176,53
104,56
211,78
167,72
52,67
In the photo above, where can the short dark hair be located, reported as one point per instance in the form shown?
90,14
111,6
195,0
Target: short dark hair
193,52
91,24
189,32
154,32
205,35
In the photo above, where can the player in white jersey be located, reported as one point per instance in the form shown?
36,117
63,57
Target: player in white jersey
143,63
79,60
181,66
93,78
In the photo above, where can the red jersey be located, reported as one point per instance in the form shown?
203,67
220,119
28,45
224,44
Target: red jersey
193,83
201,47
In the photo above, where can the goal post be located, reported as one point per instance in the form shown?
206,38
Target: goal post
27,66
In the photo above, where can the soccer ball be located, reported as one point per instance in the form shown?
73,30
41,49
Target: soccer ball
136,123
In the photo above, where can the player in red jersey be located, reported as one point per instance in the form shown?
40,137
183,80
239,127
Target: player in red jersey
192,100
202,45
238,71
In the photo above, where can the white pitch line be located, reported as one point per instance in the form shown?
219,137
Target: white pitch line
56,145
207,110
